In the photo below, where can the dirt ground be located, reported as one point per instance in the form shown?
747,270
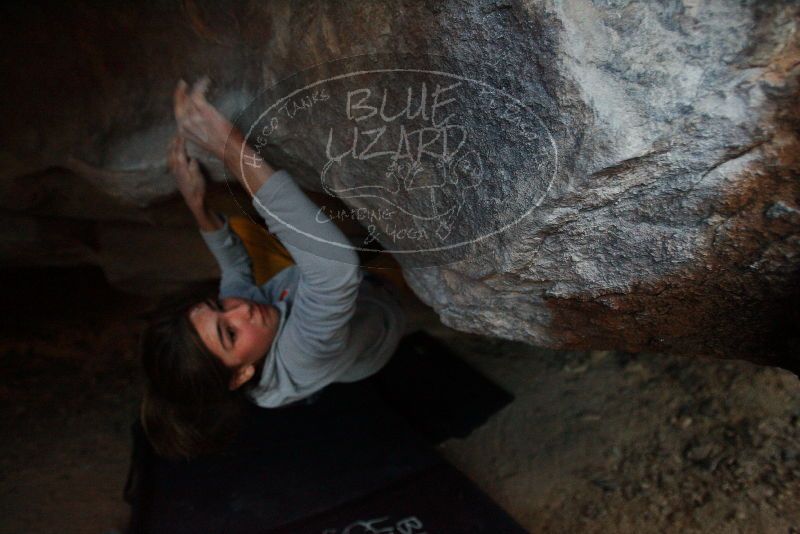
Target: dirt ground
611,442
594,442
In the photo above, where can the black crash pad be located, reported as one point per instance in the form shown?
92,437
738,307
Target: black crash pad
358,456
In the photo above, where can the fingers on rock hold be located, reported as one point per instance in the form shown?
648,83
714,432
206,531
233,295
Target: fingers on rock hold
203,83
179,96
200,88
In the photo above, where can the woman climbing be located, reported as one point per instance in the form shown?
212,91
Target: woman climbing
313,323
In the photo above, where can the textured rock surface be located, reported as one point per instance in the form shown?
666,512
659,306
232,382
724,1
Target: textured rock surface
673,222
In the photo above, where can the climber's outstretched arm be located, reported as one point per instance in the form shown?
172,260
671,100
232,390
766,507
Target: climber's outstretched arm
191,184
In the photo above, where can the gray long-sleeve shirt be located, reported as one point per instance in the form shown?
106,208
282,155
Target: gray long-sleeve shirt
335,325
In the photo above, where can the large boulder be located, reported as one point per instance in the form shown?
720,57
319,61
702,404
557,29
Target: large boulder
650,202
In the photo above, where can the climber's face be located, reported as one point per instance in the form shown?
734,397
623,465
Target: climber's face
238,331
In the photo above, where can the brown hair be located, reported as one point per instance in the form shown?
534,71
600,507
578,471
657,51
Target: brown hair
188,409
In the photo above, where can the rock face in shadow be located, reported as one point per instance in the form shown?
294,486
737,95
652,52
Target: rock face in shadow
653,203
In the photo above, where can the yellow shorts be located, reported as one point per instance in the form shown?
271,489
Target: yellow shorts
269,256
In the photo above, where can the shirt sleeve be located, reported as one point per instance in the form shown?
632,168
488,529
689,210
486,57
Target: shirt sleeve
317,329
233,260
